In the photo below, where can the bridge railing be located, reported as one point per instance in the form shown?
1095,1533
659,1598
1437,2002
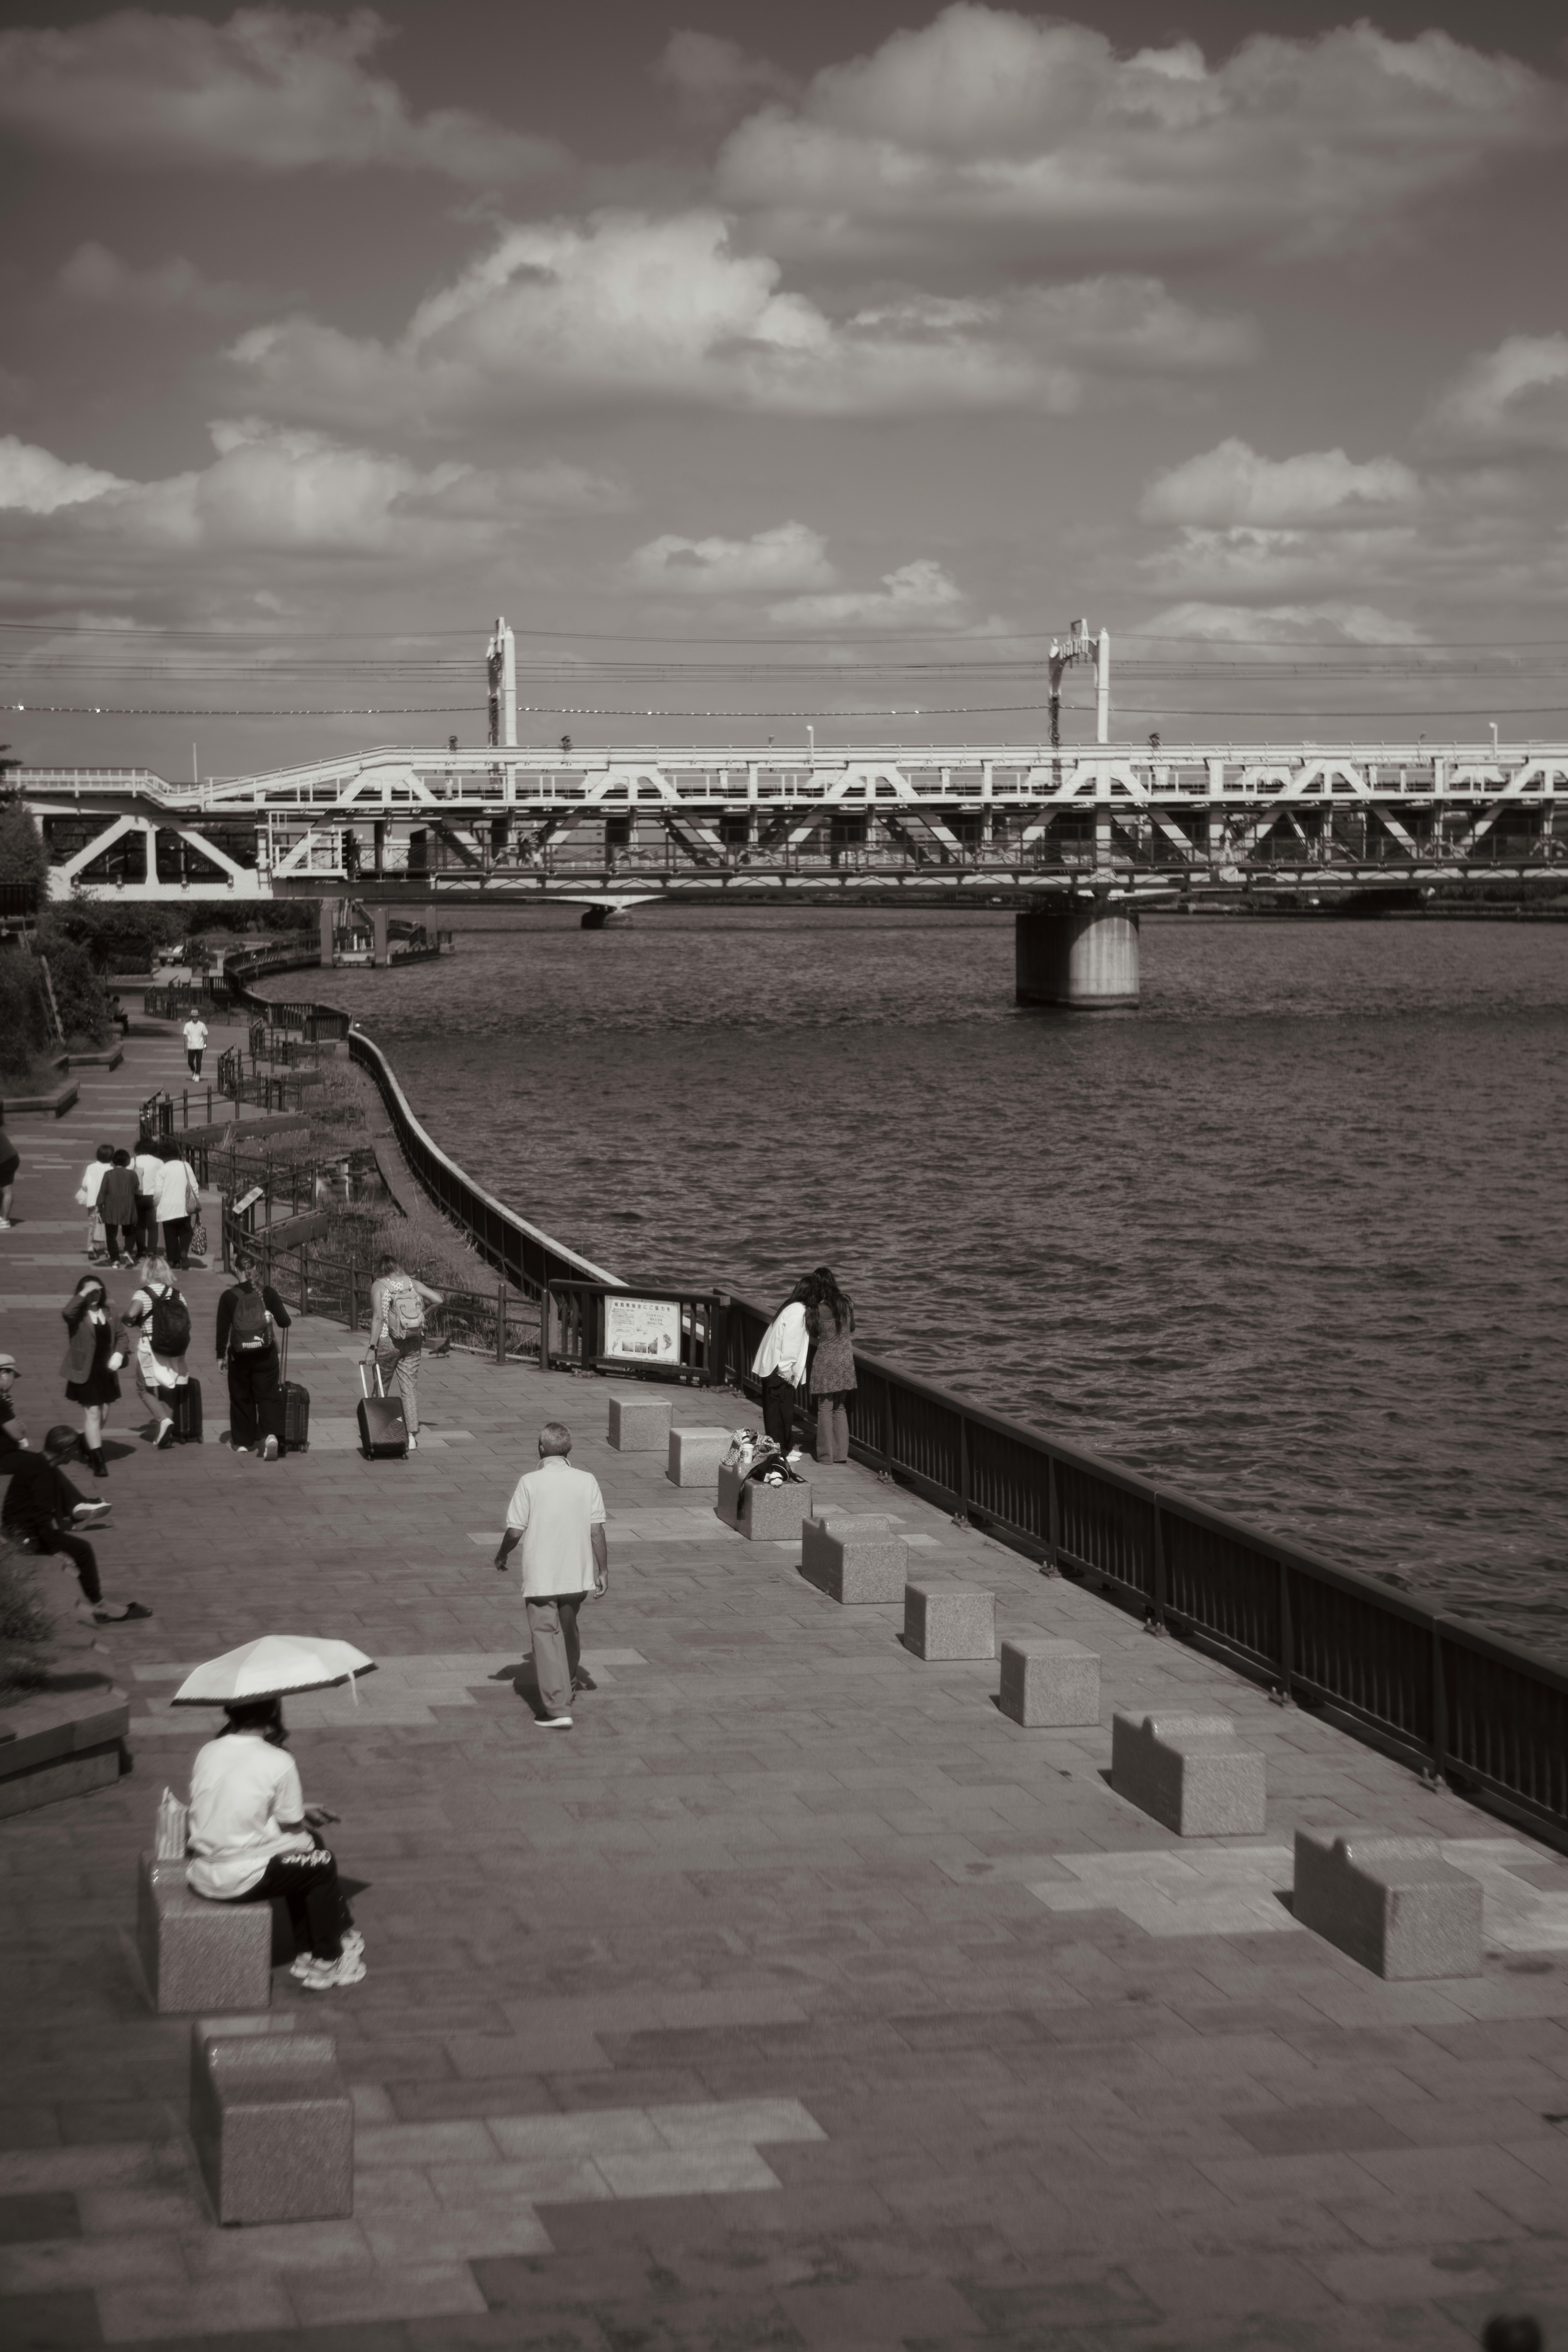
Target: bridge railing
1443,1693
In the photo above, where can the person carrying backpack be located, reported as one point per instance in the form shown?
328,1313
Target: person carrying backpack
397,1335
250,1315
157,1325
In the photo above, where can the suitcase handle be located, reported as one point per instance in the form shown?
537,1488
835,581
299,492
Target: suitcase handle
365,1385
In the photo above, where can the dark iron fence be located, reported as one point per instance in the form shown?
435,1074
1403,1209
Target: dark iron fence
317,1279
1456,1701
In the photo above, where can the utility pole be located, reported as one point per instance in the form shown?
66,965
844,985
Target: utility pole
1081,647
501,675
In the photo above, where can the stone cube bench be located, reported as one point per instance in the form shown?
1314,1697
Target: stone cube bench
855,1560
1391,1903
1047,1685
694,1455
949,1620
1190,1773
639,1425
761,1514
273,2125
62,1743
197,1955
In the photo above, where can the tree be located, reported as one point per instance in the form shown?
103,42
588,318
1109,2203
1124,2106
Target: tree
122,937
23,858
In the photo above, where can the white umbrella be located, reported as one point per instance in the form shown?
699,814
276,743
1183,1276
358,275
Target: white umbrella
272,1668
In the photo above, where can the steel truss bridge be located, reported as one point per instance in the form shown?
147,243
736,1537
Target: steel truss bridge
623,826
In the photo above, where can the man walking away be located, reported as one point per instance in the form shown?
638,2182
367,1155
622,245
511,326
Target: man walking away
397,1336
250,1314
148,1164
196,1043
41,1510
179,1198
781,1365
556,1514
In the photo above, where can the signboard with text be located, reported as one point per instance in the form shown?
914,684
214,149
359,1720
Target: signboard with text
642,1331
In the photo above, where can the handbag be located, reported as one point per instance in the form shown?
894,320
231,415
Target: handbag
198,1239
193,1197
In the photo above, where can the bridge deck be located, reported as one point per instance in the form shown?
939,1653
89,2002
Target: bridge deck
794,1999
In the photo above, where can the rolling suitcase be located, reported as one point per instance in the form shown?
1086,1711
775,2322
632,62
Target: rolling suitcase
188,1414
383,1432
291,1413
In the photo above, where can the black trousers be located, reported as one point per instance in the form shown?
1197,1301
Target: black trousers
120,1241
80,1552
177,1241
318,1908
194,1059
779,1409
253,1396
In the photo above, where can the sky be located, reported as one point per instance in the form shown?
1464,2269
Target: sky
769,367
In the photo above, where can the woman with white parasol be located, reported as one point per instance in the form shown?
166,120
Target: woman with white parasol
251,1834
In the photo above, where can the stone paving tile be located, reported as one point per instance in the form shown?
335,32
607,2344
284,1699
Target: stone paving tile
779,1869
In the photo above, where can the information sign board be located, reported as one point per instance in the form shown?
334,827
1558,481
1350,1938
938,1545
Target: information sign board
642,1331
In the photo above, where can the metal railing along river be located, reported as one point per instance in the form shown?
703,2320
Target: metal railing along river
1460,1703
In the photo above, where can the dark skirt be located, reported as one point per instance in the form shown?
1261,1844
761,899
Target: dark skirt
101,1386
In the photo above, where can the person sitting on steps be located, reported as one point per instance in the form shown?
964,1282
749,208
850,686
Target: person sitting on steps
42,1509
251,1835
250,1315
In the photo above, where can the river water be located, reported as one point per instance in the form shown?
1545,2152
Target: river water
1290,1236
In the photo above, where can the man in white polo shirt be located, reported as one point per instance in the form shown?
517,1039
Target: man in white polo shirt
556,1514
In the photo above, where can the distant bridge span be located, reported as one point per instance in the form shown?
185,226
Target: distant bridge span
1088,829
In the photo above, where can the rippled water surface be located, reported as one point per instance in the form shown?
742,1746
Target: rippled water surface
1292,1235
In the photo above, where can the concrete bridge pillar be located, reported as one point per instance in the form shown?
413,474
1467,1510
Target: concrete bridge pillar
1082,955
378,917
329,911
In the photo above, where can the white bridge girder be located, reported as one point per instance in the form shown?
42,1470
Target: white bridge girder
476,814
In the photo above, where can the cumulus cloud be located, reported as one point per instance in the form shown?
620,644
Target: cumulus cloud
789,555
1003,140
1509,402
98,279
627,309
277,492
272,90
916,592
1269,627
714,77
1232,485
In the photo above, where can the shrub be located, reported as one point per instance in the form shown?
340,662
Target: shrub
80,997
116,939
23,858
25,1030
26,1627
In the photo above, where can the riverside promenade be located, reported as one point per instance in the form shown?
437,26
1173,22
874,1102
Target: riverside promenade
795,1999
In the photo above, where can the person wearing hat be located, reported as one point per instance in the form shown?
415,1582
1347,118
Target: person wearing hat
42,1509
13,1436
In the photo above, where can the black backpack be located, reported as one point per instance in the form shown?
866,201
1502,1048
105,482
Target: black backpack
171,1325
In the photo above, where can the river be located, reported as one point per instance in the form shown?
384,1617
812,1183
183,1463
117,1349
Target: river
1290,1236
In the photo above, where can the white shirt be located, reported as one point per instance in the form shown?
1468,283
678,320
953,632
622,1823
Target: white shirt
169,1190
786,1344
195,1032
87,1191
148,1170
242,1790
556,1507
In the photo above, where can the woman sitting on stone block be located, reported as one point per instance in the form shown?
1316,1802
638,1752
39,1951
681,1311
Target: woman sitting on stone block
252,1835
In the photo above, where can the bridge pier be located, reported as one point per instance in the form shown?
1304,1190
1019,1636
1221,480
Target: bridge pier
379,917
1082,955
329,913
601,918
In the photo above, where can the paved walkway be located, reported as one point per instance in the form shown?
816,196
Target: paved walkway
795,1999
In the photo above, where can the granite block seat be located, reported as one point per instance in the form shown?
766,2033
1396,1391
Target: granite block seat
639,1425
949,1620
273,2125
1190,1773
694,1456
761,1514
64,1742
1047,1683
1390,1901
197,1955
853,1559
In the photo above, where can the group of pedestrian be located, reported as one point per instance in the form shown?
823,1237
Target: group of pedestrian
140,1204
809,1345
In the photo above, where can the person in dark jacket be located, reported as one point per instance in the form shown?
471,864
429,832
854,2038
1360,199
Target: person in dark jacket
90,1365
250,1315
42,1509
119,1205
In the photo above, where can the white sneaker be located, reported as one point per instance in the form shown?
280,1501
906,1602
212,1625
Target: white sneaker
239,1449
270,1451
412,1442
553,1722
328,1976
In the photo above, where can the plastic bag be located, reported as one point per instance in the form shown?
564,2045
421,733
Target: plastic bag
168,1844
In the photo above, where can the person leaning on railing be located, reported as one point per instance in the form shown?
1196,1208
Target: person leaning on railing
397,1335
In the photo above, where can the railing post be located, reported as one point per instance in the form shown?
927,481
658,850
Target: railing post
500,1325
544,1327
712,1365
1157,1616
1052,1518
1287,1639
961,1515
353,1296
1439,1765
304,1277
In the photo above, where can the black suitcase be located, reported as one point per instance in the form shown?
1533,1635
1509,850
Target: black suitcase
188,1414
383,1432
291,1412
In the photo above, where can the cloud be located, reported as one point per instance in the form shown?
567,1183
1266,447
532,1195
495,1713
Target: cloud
714,77
98,279
1011,142
920,591
289,493
1270,625
1233,485
1509,402
628,310
35,482
789,555
272,90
